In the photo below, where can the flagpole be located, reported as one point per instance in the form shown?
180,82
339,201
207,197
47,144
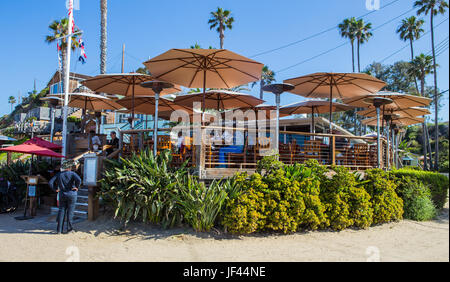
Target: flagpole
66,79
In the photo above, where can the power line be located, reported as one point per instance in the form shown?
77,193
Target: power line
316,34
339,46
440,46
407,45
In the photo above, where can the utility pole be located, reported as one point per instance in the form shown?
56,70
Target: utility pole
66,79
123,57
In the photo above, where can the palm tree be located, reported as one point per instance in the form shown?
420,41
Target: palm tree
433,7
411,29
12,101
267,77
362,33
197,46
59,30
346,29
421,66
103,34
221,19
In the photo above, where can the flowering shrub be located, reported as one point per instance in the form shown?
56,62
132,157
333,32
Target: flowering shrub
387,205
346,203
281,200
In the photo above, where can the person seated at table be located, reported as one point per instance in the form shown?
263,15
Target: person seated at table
113,143
180,143
237,139
96,143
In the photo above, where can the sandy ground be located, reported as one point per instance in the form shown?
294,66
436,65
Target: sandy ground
34,240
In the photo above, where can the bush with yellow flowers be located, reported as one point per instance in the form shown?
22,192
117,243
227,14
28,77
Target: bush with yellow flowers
275,198
347,204
387,205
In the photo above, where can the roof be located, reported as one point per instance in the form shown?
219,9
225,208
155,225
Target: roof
73,75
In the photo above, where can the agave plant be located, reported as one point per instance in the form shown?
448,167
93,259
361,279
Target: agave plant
142,187
200,204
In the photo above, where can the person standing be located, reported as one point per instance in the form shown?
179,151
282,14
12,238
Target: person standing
66,184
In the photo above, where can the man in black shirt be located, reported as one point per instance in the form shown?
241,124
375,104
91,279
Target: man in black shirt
66,184
114,143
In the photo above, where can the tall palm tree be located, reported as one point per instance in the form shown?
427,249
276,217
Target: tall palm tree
12,101
410,30
59,30
103,34
433,7
421,66
346,29
362,33
267,77
221,19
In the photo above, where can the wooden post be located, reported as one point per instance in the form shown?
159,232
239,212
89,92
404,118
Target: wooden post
93,205
141,141
8,158
333,150
120,143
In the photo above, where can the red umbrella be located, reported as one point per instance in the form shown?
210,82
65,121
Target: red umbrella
32,149
43,143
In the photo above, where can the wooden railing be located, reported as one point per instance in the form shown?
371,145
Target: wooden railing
215,157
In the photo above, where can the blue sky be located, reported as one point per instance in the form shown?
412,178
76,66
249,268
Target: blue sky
149,28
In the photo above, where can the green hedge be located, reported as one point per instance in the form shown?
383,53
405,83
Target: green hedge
437,182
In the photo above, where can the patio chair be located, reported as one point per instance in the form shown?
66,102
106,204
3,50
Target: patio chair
240,156
262,144
312,150
361,155
164,143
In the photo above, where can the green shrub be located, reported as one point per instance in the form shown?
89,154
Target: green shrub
200,205
417,203
346,203
143,187
387,205
437,182
284,199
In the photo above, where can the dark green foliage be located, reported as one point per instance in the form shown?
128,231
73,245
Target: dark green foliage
417,202
437,182
143,187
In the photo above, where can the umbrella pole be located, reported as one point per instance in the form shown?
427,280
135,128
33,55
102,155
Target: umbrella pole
155,133
132,107
204,95
378,138
277,131
331,107
388,146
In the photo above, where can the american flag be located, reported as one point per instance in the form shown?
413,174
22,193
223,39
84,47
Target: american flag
83,56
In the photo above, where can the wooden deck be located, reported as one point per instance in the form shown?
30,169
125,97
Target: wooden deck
215,161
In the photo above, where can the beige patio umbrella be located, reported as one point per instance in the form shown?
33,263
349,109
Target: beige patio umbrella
314,107
400,121
146,105
408,112
204,68
335,85
90,101
124,84
400,100
219,100
266,110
